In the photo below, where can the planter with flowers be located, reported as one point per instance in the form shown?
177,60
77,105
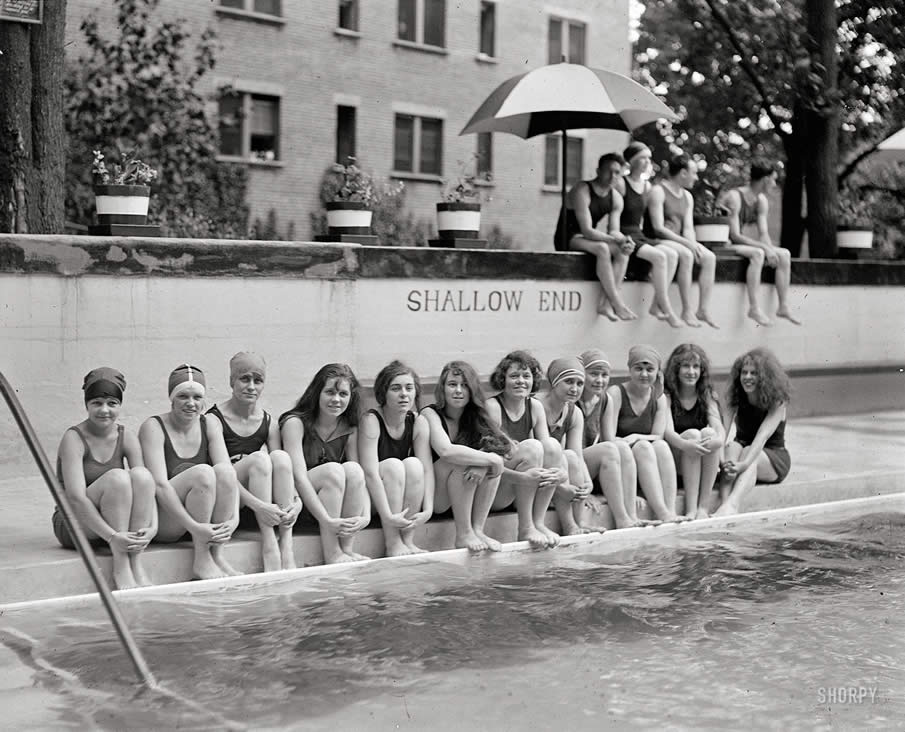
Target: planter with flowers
352,193
854,222
121,191
459,213
711,220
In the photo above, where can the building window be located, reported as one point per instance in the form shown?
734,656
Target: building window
249,126
484,161
345,134
418,145
553,161
348,14
422,21
487,43
264,7
565,38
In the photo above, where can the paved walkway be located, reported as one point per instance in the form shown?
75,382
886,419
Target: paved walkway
832,458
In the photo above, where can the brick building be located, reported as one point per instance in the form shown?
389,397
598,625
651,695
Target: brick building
393,82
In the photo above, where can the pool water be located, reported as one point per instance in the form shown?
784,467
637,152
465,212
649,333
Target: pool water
750,628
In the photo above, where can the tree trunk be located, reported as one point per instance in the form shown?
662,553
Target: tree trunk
32,141
793,223
822,128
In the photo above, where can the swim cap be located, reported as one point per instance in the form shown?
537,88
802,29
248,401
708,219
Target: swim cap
637,354
634,149
104,382
594,357
564,368
182,374
245,362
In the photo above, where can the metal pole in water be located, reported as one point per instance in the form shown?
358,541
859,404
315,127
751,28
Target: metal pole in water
119,623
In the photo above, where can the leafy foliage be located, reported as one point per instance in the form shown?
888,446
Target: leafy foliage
465,186
129,171
138,90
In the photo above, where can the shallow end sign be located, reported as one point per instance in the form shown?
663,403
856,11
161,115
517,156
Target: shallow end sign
22,11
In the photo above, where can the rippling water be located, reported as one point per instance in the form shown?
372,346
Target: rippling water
753,630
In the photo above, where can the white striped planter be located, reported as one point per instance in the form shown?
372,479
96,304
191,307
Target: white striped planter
120,204
855,238
711,229
348,217
458,220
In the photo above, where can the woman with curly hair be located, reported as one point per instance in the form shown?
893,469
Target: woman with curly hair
320,433
534,467
468,452
693,427
759,390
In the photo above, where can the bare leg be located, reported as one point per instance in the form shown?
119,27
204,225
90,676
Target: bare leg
603,460
143,511
226,503
413,498
483,500
691,473
354,503
755,257
684,271
197,488
112,496
706,279
462,497
760,470
255,472
663,262
283,495
329,480
646,458
528,455
603,255
393,476
710,466
782,280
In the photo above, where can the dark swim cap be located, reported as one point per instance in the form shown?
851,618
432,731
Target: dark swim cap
104,382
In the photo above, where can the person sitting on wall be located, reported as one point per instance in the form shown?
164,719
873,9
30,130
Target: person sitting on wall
114,503
611,463
749,237
663,260
758,392
533,468
670,220
565,423
693,427
394,449
198,493
587,203
468,452
252,439
320,433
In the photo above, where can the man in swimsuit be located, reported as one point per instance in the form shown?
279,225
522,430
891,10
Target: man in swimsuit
748,208
670,220
587,203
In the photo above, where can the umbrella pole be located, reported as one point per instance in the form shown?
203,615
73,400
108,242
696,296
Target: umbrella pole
562,214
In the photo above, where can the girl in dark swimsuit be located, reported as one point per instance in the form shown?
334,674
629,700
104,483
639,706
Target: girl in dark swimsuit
534,467
114,503
693,427
637,415
394,449
468,454
252,438
759,390
320,433
199,493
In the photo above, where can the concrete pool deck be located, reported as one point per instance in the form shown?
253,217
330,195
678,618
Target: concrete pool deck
833,458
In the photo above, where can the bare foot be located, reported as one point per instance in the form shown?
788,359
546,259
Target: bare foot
225,566
702,514
398,549
470,541
759,317
340,557
271,557
691,320
605,309
204,567
356,557
674,320
552,536
492,544
629,522
138,571
122,575
624,313
727,508
534,537
707,319
287,551
288,561
415,549
657,312
784,313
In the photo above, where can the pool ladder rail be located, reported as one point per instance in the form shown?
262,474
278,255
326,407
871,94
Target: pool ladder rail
81,542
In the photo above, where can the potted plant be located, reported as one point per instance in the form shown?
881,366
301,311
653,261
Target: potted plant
459,213
351,193
854,220
122,191
711,219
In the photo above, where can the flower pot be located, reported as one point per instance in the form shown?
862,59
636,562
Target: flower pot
348,217
854,238
456,220
121,204
711,230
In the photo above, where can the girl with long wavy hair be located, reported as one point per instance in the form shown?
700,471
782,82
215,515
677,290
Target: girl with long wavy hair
693,427
320,433
468,453
759,390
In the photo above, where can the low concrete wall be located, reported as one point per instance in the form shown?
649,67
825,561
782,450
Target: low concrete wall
68,304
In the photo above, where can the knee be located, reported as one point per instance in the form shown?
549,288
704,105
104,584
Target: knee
552,449
685,258
224,474
120,480
708,259
757,257
707,433
692,434
205,478
657,259
353,474
642,449
413,468
332,477
259,463
392,471
532,452
280,461
610,454
672,256
785,256
142,482
661,449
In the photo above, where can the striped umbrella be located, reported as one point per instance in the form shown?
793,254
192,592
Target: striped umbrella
893,147
562,97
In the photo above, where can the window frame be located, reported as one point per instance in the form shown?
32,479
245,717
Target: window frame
419,35
248,12
415,143
566,23
557,186
343,159
492,5
356,5
245,132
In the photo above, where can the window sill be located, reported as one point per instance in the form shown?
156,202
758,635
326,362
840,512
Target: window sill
346,33
483,58
250,15
425,48
551,188
419,177
254,162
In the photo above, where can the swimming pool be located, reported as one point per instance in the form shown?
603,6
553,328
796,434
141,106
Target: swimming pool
756,625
